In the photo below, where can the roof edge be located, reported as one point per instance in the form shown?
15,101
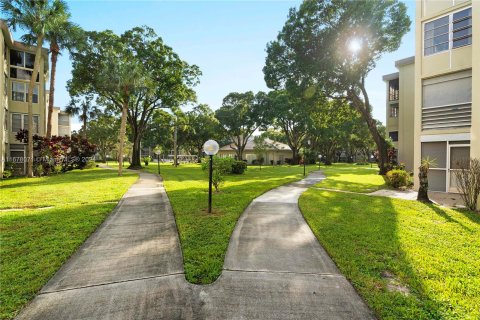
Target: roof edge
404,62
18,44
390,76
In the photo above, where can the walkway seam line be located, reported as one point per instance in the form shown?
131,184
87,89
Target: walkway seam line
288,272
114,282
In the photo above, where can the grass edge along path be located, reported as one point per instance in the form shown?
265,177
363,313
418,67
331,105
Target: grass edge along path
205,237
35,242
381,243
352,177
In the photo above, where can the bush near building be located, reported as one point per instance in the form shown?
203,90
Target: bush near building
58,154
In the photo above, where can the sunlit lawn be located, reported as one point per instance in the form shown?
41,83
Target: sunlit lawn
35,242
350,177
432,251
204,237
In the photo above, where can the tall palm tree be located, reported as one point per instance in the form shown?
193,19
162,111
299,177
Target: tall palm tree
37,18
65,36
84,110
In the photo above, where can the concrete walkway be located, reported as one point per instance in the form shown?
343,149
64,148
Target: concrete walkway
131,267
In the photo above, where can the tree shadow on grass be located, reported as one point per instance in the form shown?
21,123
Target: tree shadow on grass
442,213
361,235
35,245
69,177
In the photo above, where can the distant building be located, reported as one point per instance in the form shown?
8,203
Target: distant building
16,67
277,152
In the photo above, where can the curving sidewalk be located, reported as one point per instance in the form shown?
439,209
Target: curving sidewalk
131,267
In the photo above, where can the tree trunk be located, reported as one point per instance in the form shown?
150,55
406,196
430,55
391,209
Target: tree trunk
136,161
121,137
84,133
175,146
54,49
423,189
363,107
31,86
199,153
294,155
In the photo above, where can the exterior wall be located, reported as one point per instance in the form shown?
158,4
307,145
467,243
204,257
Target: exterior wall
406,114
428,68
57,128
475,130
391,122
249,155
7,105
3,105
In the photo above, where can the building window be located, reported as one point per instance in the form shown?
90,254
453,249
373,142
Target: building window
20,92
20,121
393,135
437,32
394,111
63,119
17,156
22,59
436,35
462,28
393,90
21,65
16,122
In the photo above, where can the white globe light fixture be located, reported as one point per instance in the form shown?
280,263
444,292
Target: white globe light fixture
210,148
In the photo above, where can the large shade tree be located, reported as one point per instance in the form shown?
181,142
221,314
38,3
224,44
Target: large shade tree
102,130
147,75
291,114
36,18
201,126
107,68
240,115
331,46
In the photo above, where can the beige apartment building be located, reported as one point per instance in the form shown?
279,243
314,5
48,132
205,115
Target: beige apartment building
276,152
432,109
16,68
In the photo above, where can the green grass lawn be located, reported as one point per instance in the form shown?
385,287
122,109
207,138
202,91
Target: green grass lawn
35,242
432,251
349,177
204,237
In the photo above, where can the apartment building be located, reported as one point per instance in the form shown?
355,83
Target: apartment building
16,68
432,109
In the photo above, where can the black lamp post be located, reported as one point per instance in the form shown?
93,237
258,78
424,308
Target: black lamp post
157,151
210,148
319,160
304,160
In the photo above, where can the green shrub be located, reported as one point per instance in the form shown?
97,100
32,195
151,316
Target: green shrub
38,170
239,167
146,160
221,167
57,169
217,180
8,169
224,165
397,178
90,164
7,174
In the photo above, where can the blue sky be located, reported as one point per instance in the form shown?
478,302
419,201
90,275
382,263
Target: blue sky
226,39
